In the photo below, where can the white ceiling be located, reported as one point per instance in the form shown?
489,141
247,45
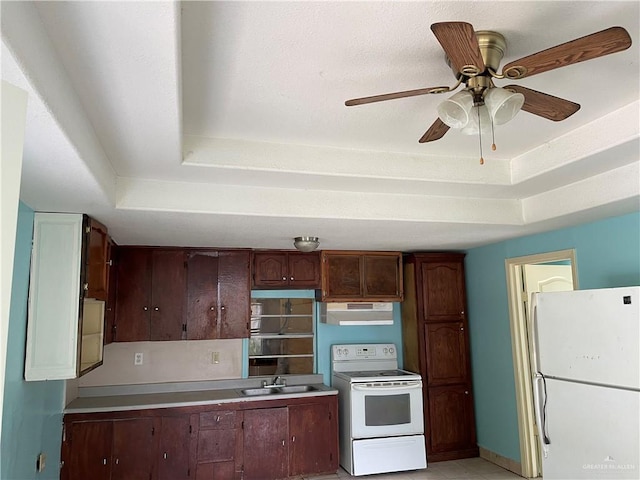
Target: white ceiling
223,123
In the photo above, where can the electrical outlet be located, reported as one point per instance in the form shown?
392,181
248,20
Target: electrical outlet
40,461
215,357
138,358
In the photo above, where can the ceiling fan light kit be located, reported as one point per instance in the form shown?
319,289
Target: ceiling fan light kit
475,59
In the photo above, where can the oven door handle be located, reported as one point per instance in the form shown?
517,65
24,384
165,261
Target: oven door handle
386,388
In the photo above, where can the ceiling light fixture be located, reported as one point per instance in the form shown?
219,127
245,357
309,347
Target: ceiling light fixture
477,109
306,244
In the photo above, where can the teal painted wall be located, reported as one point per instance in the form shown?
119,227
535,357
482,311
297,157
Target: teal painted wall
328,335
607,255
32,416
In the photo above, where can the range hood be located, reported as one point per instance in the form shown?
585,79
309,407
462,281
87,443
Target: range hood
357,313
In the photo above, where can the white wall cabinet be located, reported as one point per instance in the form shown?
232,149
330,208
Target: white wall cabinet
64,330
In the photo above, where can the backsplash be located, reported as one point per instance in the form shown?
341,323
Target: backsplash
179,361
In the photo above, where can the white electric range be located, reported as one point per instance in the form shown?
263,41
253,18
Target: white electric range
380,406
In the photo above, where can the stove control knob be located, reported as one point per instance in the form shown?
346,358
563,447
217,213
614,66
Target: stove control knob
385,350
391,350
346,351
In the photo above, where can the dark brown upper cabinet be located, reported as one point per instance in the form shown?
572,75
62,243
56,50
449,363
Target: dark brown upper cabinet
151,296
352,276
98,261
218,294
277,269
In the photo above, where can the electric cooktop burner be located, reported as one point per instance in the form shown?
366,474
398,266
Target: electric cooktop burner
379,373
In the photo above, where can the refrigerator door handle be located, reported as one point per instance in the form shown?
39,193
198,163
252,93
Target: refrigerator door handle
540,400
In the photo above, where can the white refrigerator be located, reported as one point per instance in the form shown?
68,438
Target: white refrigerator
587,383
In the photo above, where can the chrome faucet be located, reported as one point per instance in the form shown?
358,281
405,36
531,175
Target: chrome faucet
275,383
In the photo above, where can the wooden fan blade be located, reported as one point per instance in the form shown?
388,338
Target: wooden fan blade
458,39
611,40
436,131
545,105
391,96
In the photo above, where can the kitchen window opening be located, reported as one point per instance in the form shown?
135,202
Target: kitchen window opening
282,337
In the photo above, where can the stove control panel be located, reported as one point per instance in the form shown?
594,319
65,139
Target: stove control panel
374,351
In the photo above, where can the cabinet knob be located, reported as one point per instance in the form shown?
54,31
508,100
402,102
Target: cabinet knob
85,287
145,308
293,439
283,443
284,278
104,461
164,455
466,392
461,328
117,461
462,312
291,278
212,308
156,309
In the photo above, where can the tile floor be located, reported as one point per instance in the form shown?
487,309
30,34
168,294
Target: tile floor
467,469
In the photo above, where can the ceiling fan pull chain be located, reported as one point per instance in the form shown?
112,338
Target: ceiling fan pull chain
493,137
480,136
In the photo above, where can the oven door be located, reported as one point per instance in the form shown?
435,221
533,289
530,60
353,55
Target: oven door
382,410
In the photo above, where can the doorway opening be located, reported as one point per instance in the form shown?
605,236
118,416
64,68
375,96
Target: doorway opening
550,271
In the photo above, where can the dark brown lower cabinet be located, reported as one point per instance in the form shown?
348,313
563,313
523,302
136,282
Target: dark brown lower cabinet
110,450
89,450
311,439
172,456
217,445
266,443
260,440
450,414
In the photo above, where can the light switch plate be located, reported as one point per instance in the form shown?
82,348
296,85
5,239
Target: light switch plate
138,358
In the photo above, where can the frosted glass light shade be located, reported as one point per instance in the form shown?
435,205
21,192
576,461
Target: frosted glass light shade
503,105
454,111
472,127
306,244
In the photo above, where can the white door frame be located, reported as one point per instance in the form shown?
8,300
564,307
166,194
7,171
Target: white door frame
521,364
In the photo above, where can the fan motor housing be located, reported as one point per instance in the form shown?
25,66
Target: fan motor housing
492,45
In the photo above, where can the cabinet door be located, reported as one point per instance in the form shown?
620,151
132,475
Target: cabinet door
270,269
97,261
173,455
446,353
168,291
132,454
235,294
443,290
202,296
216,447
110,305
304,270
313,439
134,295
382,276
89,453
265,443
342,276
450,419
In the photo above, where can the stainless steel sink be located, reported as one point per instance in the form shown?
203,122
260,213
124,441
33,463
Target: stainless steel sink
258,391
296,389
254,392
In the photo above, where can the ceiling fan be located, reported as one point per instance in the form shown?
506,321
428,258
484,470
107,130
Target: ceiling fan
475,58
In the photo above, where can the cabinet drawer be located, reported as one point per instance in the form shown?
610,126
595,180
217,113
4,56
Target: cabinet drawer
218,420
